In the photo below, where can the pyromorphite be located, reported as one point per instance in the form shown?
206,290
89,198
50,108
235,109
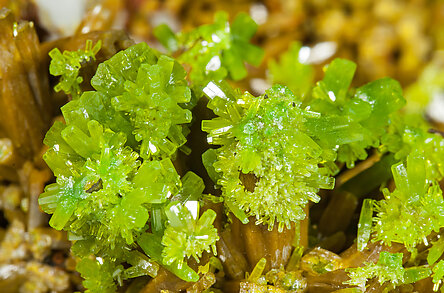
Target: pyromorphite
278,150
215,51
68,64
414,209
113,162
264,141
388,268
148,92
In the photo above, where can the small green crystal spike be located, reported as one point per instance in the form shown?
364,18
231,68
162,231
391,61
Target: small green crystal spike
365,224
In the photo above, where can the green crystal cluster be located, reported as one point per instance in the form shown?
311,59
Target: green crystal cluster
409,134
264,138
388,269
215,51
127,209
413,210
288,146
353,120
68,64
186,235
150,97
275,280
116,182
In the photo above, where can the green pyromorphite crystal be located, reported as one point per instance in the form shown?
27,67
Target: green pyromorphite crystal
101,174
115,176
407,135
435,251
414,209
98,275
355,120
365,224
148,91
388,269
187,235
438,275
286,148
264,138
216,50
68,64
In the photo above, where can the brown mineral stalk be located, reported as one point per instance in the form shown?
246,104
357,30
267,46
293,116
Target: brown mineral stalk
165,281
275,246
24,106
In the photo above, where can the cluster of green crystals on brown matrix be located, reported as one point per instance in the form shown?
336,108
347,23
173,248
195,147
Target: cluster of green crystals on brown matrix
118,192
117,187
